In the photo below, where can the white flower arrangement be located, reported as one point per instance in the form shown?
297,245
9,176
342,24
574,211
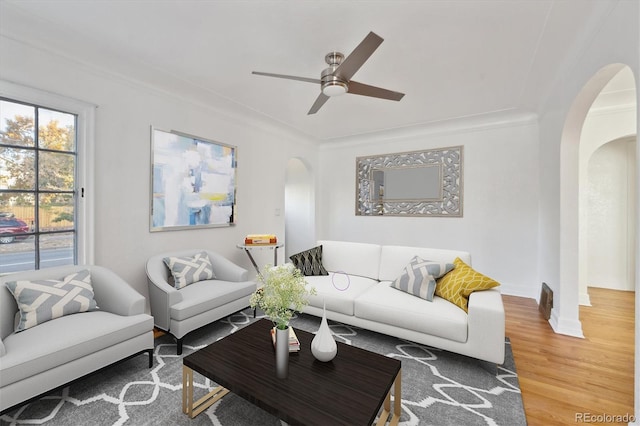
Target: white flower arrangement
283,292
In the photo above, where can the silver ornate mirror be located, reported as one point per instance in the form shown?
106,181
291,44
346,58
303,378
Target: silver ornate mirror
416,183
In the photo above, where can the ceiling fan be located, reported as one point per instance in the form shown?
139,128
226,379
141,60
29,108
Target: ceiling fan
336,79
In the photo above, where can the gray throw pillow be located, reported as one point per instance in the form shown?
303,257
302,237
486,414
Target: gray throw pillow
419,277
43,300
309,262
190,269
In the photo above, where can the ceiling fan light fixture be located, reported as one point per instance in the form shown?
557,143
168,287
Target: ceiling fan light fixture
334,88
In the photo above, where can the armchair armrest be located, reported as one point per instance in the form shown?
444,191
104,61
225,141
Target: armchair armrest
111,292
115,295
225,269
162,295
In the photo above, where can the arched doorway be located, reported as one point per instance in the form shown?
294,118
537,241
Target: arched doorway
299,205
610,216
565,317
606,208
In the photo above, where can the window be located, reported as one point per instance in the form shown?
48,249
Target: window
44,217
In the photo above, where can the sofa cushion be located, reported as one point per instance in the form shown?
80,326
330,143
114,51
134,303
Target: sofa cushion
419,277
360,259
394,258
309,262
440,318
338,291
43,300
457,285
66,339
189,269
205,295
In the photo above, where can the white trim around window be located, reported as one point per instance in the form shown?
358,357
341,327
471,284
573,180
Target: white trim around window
85,155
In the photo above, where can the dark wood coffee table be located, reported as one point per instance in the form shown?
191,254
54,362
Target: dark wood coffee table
346,391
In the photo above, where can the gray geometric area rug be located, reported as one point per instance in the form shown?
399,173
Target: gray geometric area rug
438,387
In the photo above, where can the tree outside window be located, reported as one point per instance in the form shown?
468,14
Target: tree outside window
38,194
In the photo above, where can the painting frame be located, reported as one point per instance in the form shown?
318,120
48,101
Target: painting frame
193,182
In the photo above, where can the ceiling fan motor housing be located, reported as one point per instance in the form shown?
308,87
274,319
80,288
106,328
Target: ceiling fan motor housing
333,85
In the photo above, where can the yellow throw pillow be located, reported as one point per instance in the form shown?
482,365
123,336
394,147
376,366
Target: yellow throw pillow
457,285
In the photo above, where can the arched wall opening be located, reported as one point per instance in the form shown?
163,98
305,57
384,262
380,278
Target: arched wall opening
299,205
572,257
565,316
607,187
609,213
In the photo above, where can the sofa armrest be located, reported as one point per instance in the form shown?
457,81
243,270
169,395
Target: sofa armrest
115,295
487,324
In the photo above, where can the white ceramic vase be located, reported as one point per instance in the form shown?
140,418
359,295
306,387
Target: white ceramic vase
282,353
323,346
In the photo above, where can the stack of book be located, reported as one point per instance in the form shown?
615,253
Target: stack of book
294,343
260,239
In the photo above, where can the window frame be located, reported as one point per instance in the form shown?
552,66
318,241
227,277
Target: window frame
85,138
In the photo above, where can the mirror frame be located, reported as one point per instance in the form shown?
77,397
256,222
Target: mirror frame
450,162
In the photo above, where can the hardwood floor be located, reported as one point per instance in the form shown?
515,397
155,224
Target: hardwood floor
562,377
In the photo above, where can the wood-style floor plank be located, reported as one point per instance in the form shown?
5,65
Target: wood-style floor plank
562,377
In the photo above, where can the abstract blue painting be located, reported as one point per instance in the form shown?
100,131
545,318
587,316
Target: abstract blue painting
193,182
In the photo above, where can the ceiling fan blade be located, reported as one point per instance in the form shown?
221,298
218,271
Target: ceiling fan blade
288,77
356,88
320,100
359,56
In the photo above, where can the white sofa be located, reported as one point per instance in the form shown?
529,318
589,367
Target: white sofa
357,291
61,350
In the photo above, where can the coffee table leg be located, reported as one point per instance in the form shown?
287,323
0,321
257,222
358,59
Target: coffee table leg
397,404
194,408
187,391
397,400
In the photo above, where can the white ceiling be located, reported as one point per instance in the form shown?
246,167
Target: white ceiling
452,59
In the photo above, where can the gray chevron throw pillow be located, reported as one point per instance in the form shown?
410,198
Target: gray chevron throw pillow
190,269
43,300
309,262
419,277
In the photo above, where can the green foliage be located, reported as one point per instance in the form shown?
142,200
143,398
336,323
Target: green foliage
283,292
57,169
63,216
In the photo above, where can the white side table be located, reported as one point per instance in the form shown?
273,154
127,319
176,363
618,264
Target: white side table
248,248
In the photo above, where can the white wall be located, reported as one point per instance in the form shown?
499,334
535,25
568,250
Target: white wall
500,223
126,110
610,212
299,208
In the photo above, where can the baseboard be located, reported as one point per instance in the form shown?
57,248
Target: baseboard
564,326
584,299
519,291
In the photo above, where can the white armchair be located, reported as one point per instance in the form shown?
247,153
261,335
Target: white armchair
61,350
180,311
